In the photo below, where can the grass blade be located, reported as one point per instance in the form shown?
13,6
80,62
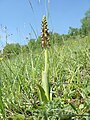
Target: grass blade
2,105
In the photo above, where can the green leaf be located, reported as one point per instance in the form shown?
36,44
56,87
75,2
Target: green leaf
73,106
17,117
45,84
45,115
42,95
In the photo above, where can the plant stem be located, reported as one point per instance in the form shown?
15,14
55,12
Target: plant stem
45,80
46,60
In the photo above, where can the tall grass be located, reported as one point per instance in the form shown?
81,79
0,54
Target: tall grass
69,76
69,79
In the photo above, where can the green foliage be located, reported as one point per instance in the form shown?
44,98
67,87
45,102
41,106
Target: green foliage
73,31
69,79
55,38
85,27
86,23
43,97
2,109
24,49
11,49
31,44
17,117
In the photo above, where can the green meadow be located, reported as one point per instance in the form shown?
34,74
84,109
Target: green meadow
49,78
69,78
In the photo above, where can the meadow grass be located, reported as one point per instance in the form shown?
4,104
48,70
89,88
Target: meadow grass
69,77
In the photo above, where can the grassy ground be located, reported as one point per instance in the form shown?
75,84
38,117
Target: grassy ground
69,76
